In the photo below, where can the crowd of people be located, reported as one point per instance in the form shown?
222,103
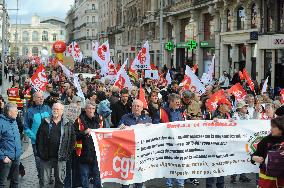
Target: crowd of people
66,146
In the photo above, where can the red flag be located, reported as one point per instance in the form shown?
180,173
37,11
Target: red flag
153,66
39,79
282,96
248,79
241,75
212,102
186,83
238,91
142,97
194,68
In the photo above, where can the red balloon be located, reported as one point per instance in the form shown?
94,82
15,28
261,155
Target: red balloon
59,47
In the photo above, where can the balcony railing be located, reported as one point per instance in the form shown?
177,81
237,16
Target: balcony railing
91,11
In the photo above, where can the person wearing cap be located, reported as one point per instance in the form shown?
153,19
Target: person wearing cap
51,99
241,114
191,105
223,112
241,111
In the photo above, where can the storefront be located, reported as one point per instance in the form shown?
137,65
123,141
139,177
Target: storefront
271,49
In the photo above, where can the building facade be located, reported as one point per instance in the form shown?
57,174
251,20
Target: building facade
240,33
82,23
29,39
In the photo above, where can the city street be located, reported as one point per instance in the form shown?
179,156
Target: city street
30,179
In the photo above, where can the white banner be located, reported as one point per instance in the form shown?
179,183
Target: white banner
187,149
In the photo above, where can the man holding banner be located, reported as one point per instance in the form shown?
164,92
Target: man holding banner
134,118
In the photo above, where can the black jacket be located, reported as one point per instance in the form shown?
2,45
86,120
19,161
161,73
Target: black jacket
264,145
119,110
67,138
88,153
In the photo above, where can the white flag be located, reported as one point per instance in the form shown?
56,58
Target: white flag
75,51
264,87
122,79
142,60
195,84
210,72
78,87
168,78
66,71
101,54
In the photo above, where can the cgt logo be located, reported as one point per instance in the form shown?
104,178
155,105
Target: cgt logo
252,145
117,154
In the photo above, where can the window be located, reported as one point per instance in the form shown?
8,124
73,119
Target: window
61,32
54,37
270,16
35,51
87,18
87,46
93,19
93,7
88,32
241,18
25,36
254,16
25,50
281,15
44,36
229,20
35,36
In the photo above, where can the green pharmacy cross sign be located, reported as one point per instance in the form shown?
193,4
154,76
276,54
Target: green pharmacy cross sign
169,46
191,45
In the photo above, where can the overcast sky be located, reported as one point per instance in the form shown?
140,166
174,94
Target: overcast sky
43,8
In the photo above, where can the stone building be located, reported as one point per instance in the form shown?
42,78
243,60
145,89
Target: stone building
38,35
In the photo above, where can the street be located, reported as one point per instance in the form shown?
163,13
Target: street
30,180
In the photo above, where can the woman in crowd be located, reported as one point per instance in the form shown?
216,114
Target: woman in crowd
267,143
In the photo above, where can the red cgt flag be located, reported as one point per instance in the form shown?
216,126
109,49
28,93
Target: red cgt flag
282,96
39,79
142,97
241,75
238,91
248,79
212,102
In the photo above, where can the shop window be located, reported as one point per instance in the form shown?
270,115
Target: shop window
229,20
241,18
254,22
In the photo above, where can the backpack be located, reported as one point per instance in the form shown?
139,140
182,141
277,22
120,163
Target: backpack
275,161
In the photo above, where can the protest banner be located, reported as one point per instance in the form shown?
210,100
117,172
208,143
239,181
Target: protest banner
72,111
187,149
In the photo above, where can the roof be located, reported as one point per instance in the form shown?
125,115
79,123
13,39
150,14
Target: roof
53,18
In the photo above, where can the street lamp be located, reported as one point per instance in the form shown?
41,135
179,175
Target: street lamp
2,5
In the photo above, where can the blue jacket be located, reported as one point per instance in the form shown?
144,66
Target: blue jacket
130,119
33,119
173,115
10,140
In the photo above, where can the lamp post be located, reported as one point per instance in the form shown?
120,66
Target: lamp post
2,3
161,34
